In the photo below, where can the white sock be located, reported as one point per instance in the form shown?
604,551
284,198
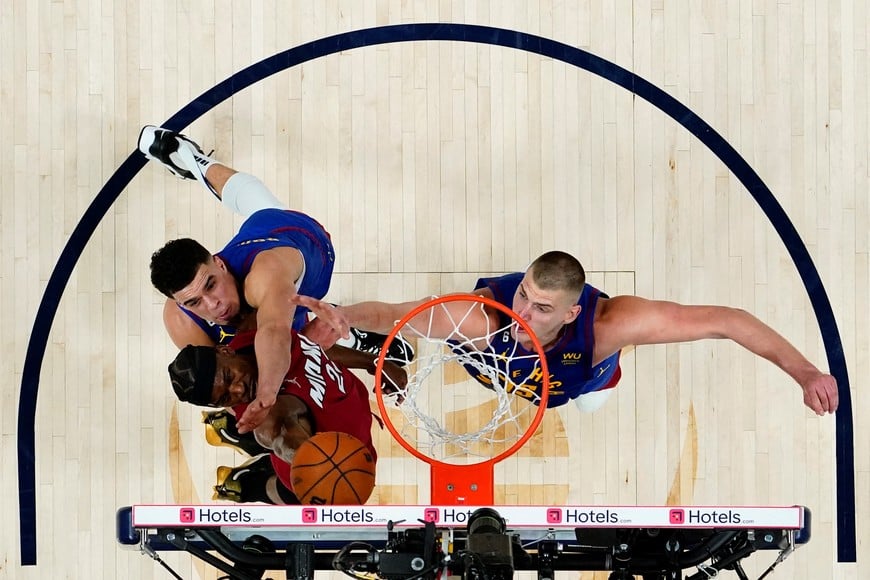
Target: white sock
245,194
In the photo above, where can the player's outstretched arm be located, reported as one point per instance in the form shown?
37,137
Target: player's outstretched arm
630,320
377,317
443,321
269,289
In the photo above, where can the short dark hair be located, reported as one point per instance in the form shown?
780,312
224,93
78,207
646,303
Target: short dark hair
558,271
175,264
192,374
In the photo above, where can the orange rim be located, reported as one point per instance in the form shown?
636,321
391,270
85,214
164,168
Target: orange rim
486,464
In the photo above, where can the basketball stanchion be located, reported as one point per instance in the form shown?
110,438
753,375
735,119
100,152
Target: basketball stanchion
511,398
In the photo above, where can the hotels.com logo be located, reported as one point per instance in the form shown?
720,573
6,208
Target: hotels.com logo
554,516
430,515
214,515
336,515
701,517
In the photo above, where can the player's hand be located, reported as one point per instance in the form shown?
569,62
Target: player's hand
321,333
394,379
255,414
330,323
820,394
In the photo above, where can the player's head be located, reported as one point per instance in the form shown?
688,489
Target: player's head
186,272
218,376
213,376
547,295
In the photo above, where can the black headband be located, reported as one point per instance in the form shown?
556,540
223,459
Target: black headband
192,374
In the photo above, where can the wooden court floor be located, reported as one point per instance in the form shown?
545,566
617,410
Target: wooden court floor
432,162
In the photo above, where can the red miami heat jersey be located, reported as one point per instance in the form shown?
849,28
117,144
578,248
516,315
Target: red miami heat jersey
336,398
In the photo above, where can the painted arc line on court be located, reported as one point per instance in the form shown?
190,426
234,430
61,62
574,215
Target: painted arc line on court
846,540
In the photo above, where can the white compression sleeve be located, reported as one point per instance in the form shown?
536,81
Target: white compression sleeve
591,402
245,194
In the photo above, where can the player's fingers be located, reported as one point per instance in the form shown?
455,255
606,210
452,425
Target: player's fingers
823,402
827,395
829,402
320,333
338,321
833,396
821,398
244,425
250,419
812,400
303,300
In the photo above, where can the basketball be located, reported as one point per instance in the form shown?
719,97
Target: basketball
333,468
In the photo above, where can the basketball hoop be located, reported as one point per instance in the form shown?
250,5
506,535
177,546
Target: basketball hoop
462,449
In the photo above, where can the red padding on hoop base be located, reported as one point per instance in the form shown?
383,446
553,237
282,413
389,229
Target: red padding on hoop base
462,484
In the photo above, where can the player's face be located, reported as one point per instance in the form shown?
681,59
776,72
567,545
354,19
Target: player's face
545,311
235,379
212,294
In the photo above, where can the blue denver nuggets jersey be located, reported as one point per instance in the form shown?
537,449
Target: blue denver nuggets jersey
569,360
272,228
219,333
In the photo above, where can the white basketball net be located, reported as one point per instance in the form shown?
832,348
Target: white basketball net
447,414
